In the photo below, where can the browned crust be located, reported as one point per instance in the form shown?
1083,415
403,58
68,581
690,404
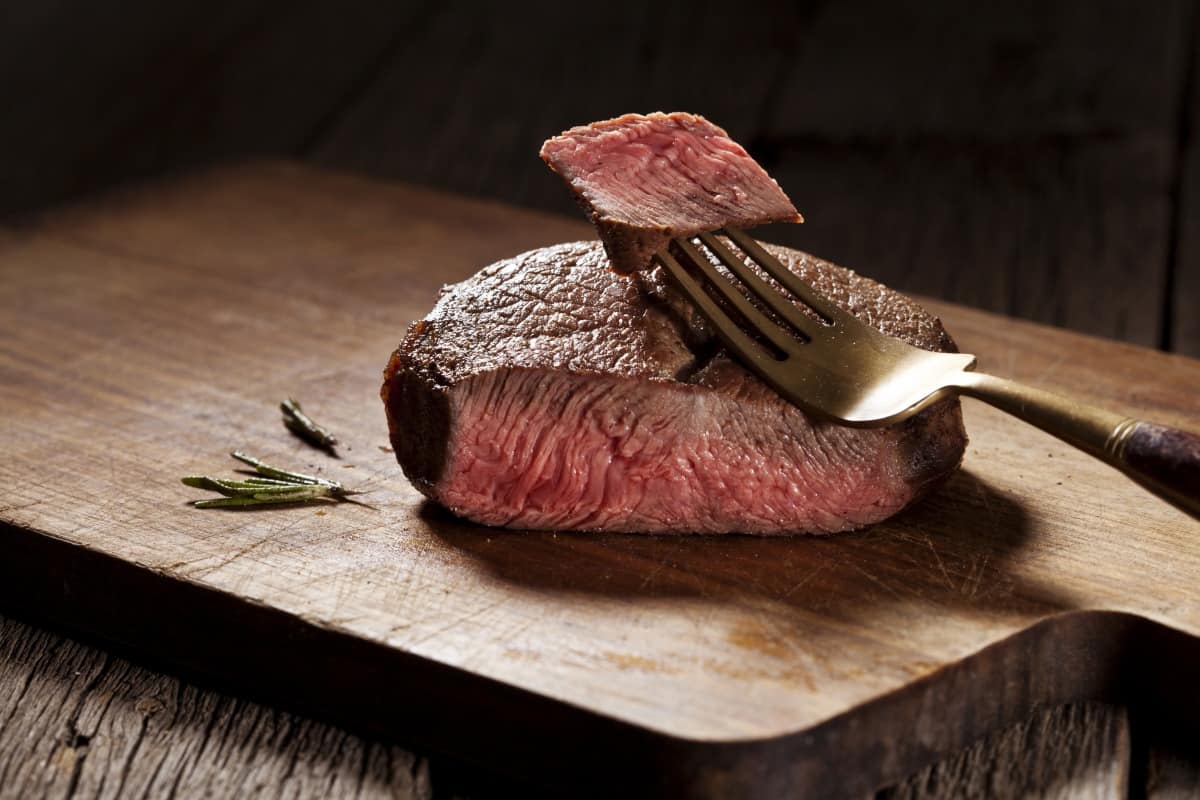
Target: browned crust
933,445
417,403
630,248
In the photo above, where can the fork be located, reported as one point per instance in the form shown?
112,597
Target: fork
834,366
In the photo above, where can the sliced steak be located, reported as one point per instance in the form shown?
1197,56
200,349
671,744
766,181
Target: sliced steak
644,179
548,392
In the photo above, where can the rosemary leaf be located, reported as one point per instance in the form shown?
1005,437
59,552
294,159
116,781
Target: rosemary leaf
299,423
298,494
229,488
281,474
271,482
197,481
251,488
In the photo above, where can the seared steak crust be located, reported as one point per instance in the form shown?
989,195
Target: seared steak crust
548,392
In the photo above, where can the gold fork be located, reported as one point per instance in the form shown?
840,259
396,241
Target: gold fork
842,369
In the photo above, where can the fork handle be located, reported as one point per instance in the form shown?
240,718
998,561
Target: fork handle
1164,460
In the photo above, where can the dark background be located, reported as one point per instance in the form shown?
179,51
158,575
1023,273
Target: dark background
1033,158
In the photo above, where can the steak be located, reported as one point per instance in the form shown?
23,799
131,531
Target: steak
644,179
548,392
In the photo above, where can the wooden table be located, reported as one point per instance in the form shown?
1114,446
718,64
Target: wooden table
200,222
1032,159
82,722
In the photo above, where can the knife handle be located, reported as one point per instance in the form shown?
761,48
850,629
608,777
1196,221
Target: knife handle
1162,459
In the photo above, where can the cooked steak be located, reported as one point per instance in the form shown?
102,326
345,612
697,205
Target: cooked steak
548,392
644,179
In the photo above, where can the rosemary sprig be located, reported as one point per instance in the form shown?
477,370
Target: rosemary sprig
299,423
273,485
299,494
247,488
275,473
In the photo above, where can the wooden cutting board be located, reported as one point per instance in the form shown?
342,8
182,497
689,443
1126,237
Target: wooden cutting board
145,335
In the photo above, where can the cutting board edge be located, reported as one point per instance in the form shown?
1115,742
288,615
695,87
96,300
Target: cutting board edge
1087,654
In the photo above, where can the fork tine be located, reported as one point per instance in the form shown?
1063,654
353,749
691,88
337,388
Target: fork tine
730,334
760,322
772,297
784,276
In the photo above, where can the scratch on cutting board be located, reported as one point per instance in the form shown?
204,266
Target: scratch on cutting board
509,637
652,574
941,566
21,506
875,580
271,538
766,636
458,621
528,623
205,571
974,578
804,581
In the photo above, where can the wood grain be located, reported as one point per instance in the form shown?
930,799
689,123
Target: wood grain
1070,68
146,335
1071,233
1173,775
1022,159
1185,289
1069,752
82,722
1035,178
1184,294
511,76
94,725
1039,177
94,97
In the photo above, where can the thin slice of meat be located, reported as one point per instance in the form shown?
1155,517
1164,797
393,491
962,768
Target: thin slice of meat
644,179
548,392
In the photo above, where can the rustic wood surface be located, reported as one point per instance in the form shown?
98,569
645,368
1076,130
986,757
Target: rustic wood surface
1035,177
95,97
1184,289
1027,159
96,725
1068,752
178,314
1004,182
1171,776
